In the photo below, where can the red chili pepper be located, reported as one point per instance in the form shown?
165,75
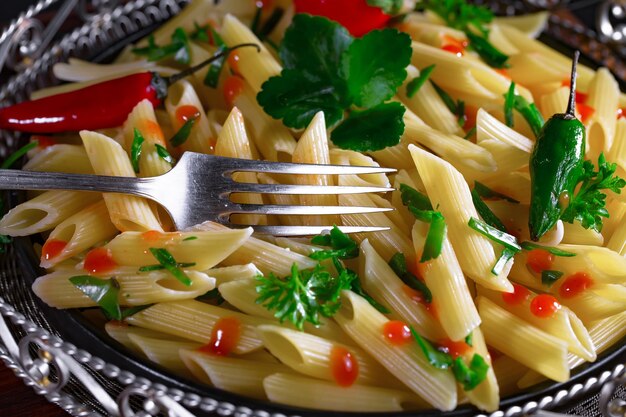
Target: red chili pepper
103,105
355,15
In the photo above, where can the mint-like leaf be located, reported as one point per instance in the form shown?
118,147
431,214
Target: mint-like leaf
372,129
375,66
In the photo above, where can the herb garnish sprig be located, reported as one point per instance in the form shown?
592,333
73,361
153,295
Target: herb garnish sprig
177,49
326,69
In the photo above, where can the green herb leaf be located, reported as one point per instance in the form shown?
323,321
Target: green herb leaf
459,14
177,49
436,358
343,247
200,33
135,149
494,234
398,264
165,258
509,101
188,238
164,154
485,212
486,192
456,107
411,197
148,268
183,54
374,78
358,289
470,376
505,257
388,6
105,292
296,99
485,49
183,133
588,204
526,245
211,79
15,156
416,83
531,113
372,129
470,133
435,237
549,277
127,312
469,339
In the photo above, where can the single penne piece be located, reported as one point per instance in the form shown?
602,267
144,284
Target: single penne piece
406,304
325,359
164,352
312,148
204,249
107,157
204,323
403,359
232,374
604,334
447,190
233,142
264,255
274,141
45,212
451,296
306,392
138,289
242,294
143,118
523,342
255,66
388,242
603,97
71,159
182,104
233,273
77,233
562,323
428,106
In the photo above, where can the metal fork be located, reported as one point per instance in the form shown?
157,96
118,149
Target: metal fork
198,188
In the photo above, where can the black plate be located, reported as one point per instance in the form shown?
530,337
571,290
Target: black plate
74,328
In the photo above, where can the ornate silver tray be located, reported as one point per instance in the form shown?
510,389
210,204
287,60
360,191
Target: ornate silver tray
63,358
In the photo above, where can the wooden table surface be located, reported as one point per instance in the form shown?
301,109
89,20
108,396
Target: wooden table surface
18,400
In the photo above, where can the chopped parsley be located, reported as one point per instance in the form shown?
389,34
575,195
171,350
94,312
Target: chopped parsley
488,193
148,268
213,72
530,112
485,212
526,245
326,69
135,149
387,6
416,83
104,292
177,49
456,107
183,133
549,277
398,264
509,103
164,154
511,247
188,238
165,258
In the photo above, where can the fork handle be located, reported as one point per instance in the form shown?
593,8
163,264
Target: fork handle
13,179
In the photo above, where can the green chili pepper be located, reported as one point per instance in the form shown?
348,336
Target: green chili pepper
556,164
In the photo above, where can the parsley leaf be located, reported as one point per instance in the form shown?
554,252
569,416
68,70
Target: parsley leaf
436,358
387,6
200,33
469,339
456,107
526,245
164,154
148,268
411,197
398,264
105,292
530,112
177,49
485,212
343,247
472,375
588,204
296,99
135,149
372,129
165,258
374,78
485,49
416,83
183,133
503,238
213,73
549,277
509,101
302,296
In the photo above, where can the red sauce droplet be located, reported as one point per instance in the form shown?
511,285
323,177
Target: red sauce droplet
502,71
397,333
152,236
233,86
454,349
621,112
518,296
52,248
99,261
233,62
152,131
44,141
586,112
453,45
264,4
224,337
344,366
418,298
539,260
187,112
544,306
575,284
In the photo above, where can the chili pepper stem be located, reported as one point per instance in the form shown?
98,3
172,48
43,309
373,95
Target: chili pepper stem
571,105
